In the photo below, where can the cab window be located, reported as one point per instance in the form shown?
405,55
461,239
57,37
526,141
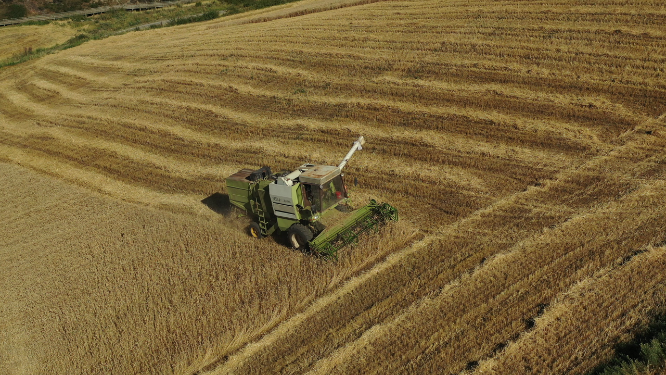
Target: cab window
325,196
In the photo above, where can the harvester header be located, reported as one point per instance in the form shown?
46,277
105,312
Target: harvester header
310,204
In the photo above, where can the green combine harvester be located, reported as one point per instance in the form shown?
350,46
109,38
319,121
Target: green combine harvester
310,204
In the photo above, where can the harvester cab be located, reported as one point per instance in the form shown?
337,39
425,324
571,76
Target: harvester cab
310,204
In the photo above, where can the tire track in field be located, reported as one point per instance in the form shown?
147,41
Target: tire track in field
534,279
564,327
444,351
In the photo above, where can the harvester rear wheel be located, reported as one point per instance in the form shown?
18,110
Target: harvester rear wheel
299,235
255,230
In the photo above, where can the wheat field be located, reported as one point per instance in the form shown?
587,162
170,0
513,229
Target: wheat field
17,40
522,142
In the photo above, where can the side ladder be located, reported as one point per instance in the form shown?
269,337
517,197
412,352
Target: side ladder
261,217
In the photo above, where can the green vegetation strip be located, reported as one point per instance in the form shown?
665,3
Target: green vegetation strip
120,21
39,52
647,352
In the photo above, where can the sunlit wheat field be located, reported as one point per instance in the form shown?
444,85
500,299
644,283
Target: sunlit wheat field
17,40
522,142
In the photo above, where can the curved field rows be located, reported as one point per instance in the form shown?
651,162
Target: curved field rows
424,312
523,144
217,97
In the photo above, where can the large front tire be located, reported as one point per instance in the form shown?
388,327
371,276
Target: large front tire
299,235
255,230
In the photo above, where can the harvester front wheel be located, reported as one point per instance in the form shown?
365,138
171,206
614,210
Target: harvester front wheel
299,235
255,230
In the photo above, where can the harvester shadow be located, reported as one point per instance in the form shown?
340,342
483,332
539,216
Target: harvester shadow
219,203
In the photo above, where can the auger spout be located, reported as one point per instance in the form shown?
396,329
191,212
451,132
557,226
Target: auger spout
357,146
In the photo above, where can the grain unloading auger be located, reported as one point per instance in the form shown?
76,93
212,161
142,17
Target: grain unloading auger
310,204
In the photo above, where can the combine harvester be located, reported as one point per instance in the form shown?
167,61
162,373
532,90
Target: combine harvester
310,204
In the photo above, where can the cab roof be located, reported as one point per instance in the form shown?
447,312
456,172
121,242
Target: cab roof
319,174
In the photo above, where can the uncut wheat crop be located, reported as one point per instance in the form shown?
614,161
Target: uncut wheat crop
17,41
522,142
